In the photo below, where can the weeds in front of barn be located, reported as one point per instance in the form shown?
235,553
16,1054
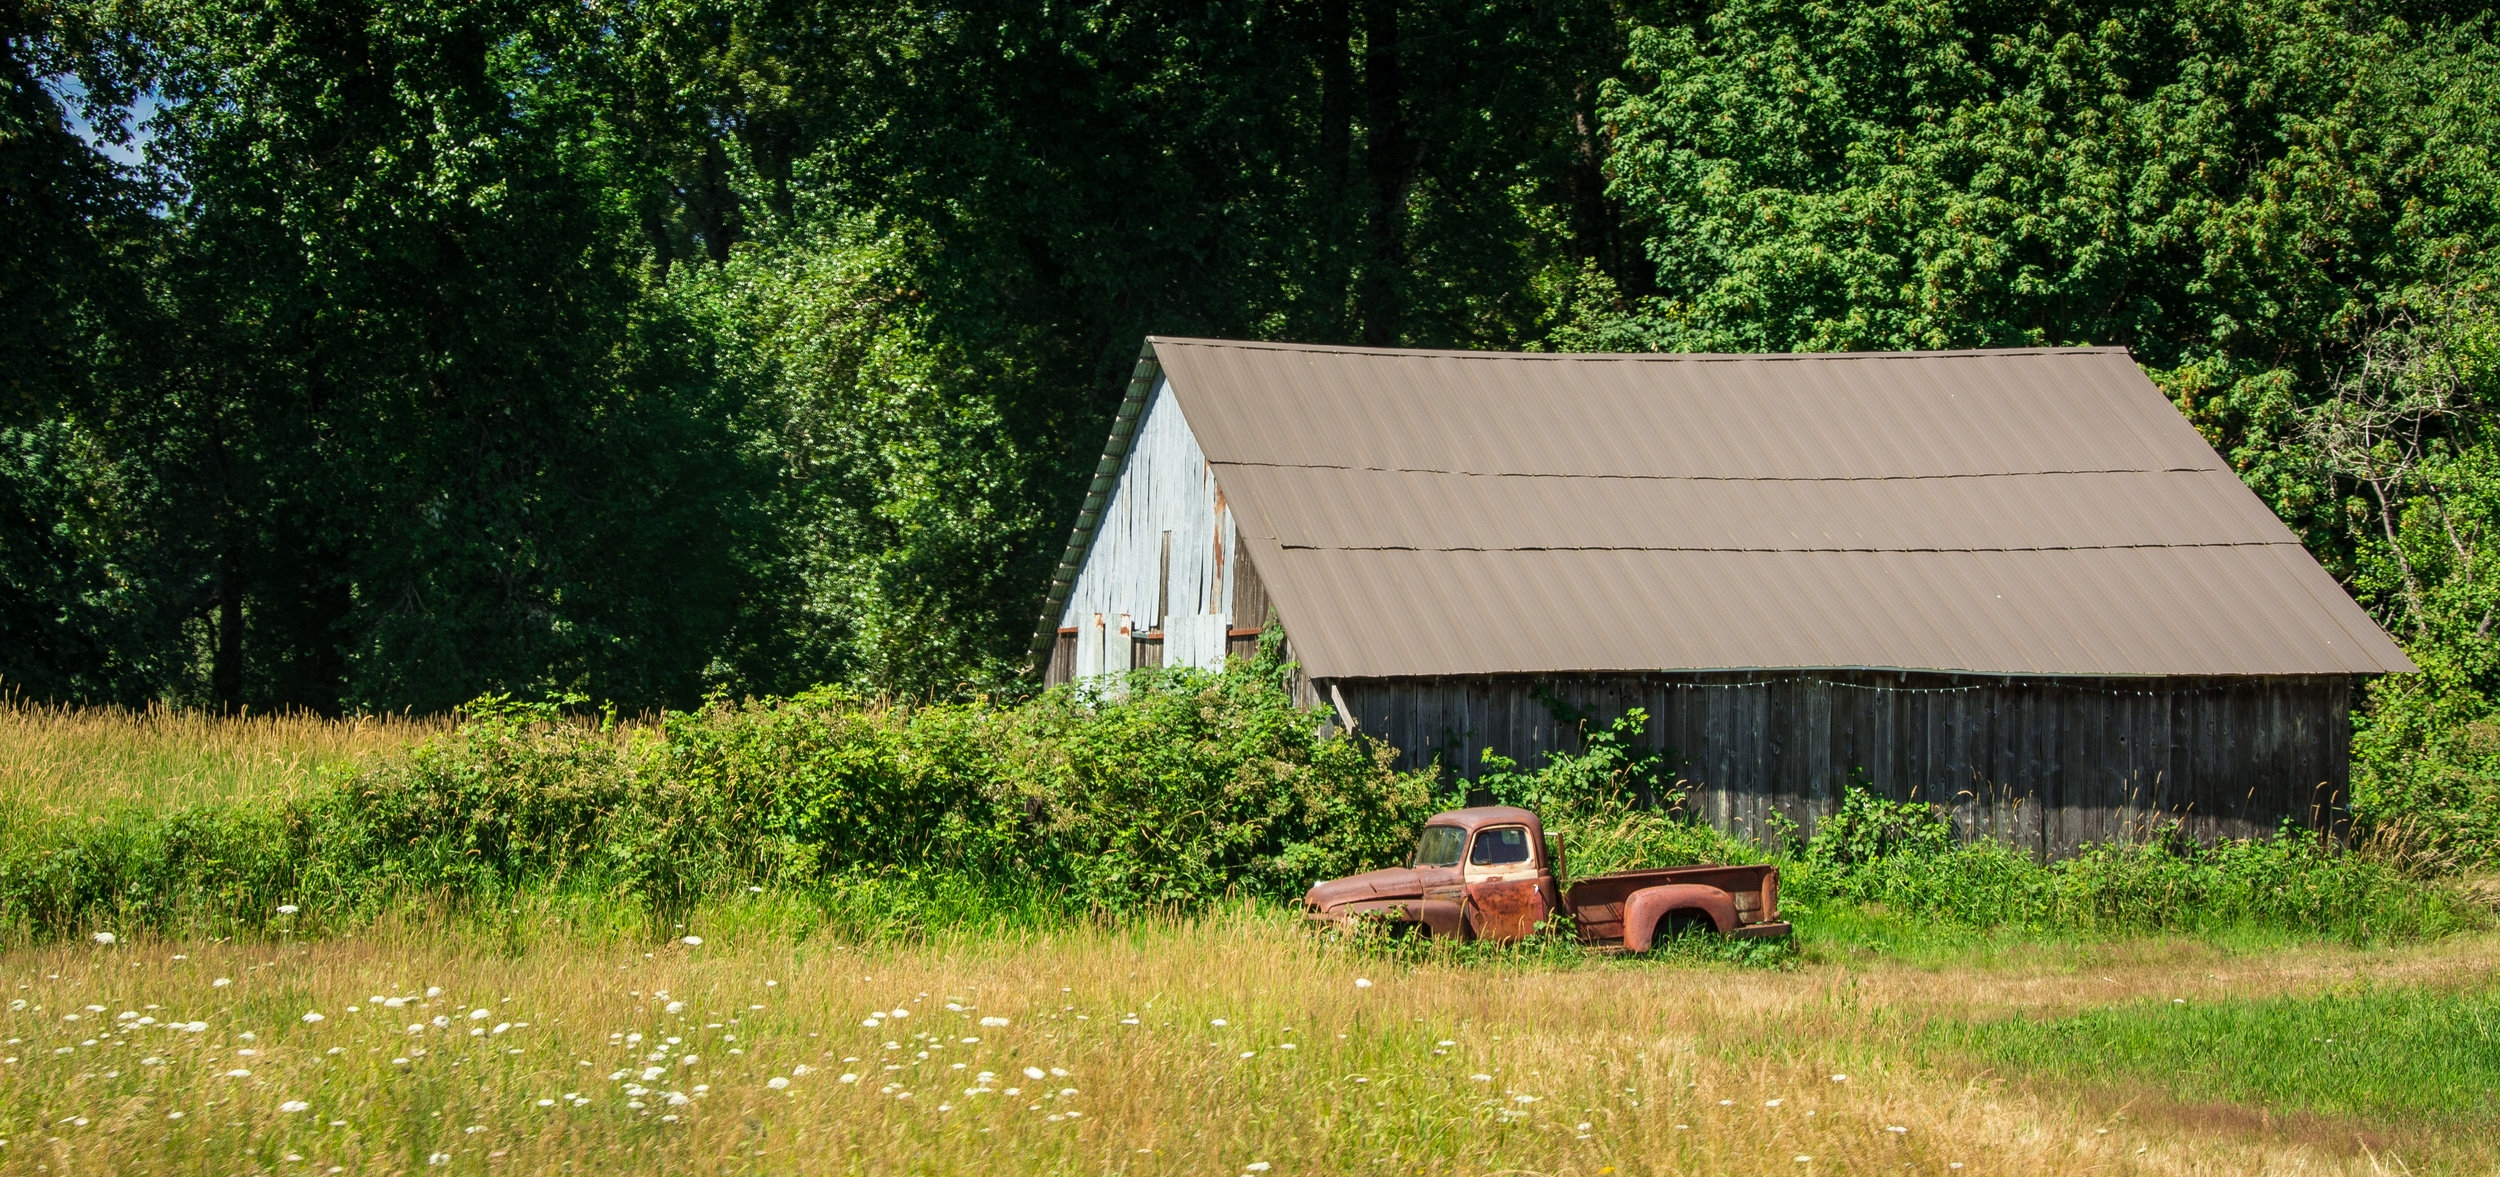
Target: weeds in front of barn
887,821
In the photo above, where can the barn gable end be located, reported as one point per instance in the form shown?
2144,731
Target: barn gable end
1160,577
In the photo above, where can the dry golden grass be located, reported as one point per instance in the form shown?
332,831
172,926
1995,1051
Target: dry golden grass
1200,1049
66,762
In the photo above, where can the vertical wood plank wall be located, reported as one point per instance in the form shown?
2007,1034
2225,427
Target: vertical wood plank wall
1164,536
2046,764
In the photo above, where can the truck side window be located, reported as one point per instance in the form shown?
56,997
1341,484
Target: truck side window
1500,846
1440,846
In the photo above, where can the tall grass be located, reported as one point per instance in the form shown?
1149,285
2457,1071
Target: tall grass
1190,1046
81,763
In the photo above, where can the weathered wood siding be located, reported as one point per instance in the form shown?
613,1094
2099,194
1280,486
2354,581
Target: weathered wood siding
1160,556
2047,764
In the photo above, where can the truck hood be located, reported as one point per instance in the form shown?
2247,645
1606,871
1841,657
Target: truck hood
1394,883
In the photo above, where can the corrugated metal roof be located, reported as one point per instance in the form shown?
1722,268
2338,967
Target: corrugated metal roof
2034,512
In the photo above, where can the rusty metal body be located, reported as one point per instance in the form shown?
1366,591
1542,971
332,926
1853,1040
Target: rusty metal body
1490,873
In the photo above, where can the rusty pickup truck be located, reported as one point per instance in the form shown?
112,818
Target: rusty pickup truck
1492,873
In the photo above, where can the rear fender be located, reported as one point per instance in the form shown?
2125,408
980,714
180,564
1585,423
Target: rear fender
1645,907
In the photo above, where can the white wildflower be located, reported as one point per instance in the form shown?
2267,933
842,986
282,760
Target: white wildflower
694,941
104,937
1216,1022
294,1105
221,982
1033,1072
288,909
1840,1078
1481,1078
776,1082
850,1076
673,1007
1256,1167
993,1022
312,1017
1362,982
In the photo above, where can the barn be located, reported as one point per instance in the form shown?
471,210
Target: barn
2013,582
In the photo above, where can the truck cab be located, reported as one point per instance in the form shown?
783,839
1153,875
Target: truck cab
1491,872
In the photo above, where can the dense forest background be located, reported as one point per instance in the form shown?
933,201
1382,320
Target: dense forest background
371,354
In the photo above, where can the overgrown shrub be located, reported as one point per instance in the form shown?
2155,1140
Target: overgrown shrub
1172,789
1179,787
1614,803
1906,857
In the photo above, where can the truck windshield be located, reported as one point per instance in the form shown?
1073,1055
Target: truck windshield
1500,846
1440,846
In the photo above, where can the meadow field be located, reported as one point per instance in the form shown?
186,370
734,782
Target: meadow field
1233,1043
220,1007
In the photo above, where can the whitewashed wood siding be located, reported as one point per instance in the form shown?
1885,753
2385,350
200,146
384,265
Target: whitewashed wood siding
1165,488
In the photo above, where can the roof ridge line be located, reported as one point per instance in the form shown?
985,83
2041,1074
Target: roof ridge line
2235,543
1725,477
1641,356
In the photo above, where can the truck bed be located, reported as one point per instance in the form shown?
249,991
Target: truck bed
1596,904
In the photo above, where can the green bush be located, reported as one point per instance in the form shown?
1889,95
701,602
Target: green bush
1905,857
1176,788
1613,803
1167,790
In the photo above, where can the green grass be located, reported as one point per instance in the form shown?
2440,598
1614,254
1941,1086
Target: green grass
2388,1056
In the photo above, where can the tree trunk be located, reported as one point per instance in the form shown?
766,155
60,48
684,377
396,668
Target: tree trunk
225,675
1335,51
1386,165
